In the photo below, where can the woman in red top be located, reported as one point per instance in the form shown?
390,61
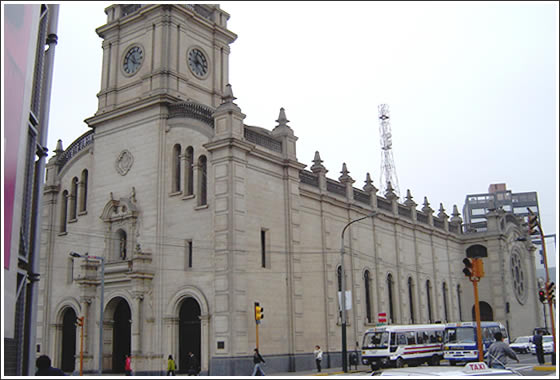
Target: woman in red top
127,367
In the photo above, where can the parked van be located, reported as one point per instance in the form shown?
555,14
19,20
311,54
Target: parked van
395,345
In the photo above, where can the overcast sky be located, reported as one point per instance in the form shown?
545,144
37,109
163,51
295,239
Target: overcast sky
472,89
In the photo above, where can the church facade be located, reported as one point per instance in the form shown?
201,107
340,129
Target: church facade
197,216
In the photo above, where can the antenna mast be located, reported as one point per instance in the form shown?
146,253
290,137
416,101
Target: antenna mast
388,170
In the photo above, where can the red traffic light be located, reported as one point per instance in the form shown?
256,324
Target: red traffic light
542,296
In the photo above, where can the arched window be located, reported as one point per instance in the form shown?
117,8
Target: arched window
445,302
429,299
63,211
189,171
390,294
120,244
83,190
176,169
74,198
411,299
202,200
459,302
367,287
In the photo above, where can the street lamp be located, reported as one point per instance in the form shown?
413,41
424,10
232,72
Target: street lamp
86,256
343,291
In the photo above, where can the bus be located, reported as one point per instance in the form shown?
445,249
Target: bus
397,345
460,343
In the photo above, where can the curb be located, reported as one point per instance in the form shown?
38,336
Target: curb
544,368
333,373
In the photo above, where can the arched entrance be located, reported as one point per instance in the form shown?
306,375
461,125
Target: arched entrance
122,317
189,332
486,312
68,361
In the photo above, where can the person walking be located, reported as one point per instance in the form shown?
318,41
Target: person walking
192,364
499,351
170,366
537,341
44,368
318,353
127,365
257,360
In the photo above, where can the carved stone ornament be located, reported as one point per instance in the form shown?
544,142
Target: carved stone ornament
124,162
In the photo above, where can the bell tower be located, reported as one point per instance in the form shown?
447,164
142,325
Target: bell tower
169,53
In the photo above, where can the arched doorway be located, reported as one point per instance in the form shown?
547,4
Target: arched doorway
68,361
121,335
189,332
486,312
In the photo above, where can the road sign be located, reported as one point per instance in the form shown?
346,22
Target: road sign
382,317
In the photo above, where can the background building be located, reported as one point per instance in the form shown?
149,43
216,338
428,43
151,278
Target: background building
29,41
198,216
477,205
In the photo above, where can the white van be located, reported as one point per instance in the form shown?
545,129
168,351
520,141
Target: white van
395,345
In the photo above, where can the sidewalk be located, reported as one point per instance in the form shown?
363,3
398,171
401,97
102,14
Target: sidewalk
324,372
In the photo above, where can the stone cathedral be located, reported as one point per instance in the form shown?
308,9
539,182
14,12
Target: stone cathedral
197,216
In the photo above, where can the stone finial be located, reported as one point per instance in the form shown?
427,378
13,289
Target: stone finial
282,120
441,213
317,163
408,200
426,208
345,177
58,150
455,216
369,187
390,192
228,95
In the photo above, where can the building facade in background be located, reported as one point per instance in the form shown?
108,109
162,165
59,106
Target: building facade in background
29,40
478,205
198,216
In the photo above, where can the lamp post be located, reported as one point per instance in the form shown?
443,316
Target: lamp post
86,256
343,291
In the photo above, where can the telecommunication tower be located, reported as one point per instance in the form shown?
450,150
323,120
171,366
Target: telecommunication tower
388,170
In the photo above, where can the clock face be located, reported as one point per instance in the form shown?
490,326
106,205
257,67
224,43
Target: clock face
198,62
133,60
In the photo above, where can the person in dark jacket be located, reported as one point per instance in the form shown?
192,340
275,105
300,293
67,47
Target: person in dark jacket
44,368
257,360
537,341
192,364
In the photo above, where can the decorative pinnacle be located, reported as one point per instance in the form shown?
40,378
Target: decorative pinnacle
317,164
58,148
368,187
282,120
427,209
441,213
345,177
390,193
409,202
455,216
228,95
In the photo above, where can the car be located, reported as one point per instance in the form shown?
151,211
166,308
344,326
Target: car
470,369
547,345
522,344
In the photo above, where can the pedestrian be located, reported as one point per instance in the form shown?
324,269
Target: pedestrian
537,341
170,366
44,368
257,360
192,364
499,351
127,365
318,353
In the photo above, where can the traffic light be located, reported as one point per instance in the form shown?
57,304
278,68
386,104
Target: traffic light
478,268
550,291
533,222
80,321
468,269
542,296
258,312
